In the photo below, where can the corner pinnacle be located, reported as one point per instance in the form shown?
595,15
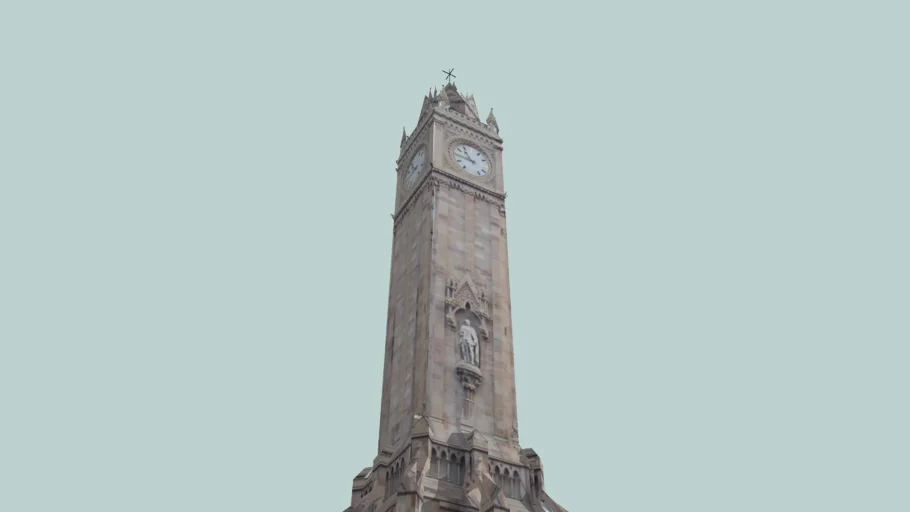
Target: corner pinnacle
491,120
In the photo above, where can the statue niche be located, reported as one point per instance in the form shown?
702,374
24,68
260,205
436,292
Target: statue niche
466,314
465,297
467,339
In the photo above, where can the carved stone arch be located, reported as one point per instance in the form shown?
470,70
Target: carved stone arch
441,463
452,474
466,296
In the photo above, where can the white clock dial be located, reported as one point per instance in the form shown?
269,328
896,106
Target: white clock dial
415,167
471,160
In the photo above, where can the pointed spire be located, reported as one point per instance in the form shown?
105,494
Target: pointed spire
404,136
472,107
441,97
491,120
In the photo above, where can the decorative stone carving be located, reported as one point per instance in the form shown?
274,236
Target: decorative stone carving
470,298
426,184
429,101
469,126
491,122
457,183
485,138
440,99
470,378
472,107
467,297
419,129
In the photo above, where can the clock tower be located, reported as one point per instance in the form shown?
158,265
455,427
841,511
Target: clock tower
448,430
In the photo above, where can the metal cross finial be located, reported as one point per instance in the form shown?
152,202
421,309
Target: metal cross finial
449,75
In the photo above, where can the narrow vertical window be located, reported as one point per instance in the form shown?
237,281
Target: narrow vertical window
452,469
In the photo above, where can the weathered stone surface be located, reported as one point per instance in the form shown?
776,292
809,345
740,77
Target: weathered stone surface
448,431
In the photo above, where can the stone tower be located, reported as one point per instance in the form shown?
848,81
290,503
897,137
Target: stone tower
448,432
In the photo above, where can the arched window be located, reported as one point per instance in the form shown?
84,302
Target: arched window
459,474
393,477
453,469
516,485
497,477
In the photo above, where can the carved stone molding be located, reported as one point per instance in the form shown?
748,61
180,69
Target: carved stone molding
465,296
421,188
434,178
470,375
491,122
467,126
456,183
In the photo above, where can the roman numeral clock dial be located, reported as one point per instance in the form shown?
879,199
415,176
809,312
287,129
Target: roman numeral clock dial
471,160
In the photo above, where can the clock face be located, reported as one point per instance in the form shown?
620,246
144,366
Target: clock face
471,160
415,167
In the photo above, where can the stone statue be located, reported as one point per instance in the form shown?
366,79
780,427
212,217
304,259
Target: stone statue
469,348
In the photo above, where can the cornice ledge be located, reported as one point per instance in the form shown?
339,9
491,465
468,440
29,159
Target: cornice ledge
431,180
439,442
506,462
469,123
462,181
448,505
409,203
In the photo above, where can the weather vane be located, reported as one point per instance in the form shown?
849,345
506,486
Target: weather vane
449,75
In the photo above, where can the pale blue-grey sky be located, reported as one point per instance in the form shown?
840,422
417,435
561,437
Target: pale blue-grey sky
708,233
